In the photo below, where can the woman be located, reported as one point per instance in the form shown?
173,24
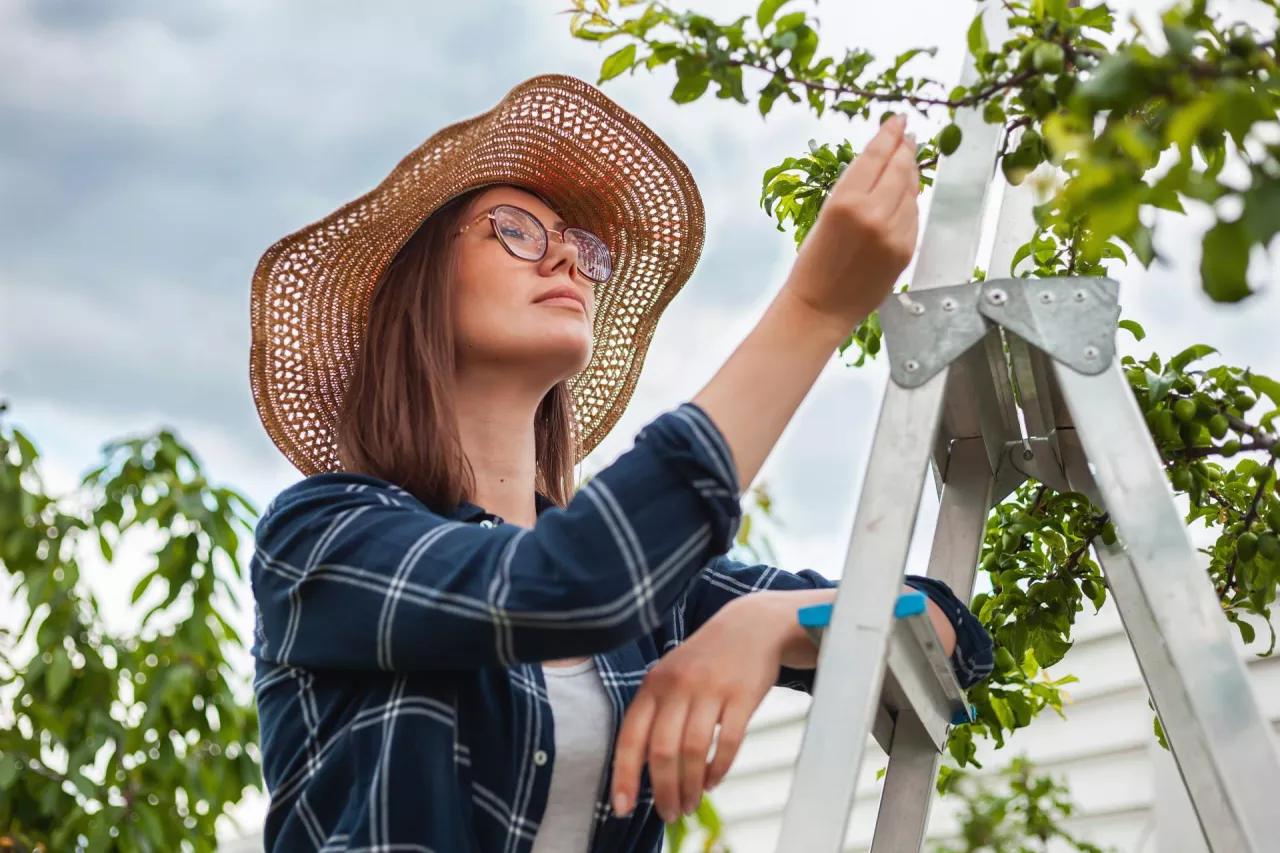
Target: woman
455,650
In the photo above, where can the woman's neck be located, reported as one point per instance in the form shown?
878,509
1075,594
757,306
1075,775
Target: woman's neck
495,422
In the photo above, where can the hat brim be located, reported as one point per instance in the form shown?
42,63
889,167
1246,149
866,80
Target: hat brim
558,136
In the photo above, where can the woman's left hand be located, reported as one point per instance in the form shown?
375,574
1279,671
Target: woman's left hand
719,675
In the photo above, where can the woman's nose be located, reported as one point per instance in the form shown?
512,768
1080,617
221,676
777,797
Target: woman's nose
559,253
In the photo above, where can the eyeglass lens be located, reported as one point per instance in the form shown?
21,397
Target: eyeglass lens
526,238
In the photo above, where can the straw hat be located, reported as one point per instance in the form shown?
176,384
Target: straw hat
557,136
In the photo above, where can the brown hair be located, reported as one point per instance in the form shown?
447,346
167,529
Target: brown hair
398,420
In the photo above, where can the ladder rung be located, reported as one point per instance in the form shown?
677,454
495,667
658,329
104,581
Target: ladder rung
918,677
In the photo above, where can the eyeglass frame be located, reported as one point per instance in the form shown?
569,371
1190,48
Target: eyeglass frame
488,214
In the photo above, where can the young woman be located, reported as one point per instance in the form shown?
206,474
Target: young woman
457,650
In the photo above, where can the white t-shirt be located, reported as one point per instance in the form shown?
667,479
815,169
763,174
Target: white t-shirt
583,718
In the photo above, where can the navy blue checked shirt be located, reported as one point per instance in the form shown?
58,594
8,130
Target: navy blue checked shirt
398,676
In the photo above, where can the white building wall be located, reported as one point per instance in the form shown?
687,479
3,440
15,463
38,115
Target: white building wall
1125,785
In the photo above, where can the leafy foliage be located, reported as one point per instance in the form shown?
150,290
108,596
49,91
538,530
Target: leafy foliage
1128,126
1010,812
112,743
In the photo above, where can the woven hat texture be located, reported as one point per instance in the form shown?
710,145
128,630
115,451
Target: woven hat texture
557,136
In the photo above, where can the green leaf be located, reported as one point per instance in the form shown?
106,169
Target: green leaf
618,62
977,37
1133,328
1139,240
1158,385
689,89
9,767
1261,215
1246,631
1190,354
1115,76
58,675
1224,262
1266,385
1049,649
708,818
766,11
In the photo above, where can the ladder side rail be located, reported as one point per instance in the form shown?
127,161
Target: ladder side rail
907,796
1204,690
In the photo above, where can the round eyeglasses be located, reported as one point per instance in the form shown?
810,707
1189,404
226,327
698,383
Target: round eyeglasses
525,237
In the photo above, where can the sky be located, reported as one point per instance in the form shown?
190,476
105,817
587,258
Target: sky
150,152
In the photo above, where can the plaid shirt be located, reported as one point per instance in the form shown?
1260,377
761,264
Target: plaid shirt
401,698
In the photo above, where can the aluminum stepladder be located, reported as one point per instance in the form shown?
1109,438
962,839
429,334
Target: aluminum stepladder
950,405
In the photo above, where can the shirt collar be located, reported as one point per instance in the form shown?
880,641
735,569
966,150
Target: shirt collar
469,512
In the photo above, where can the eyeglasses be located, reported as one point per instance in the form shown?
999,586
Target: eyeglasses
525,237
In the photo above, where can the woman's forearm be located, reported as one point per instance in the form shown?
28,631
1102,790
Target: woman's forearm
757,391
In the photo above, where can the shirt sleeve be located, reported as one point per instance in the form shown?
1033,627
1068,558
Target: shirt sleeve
351,572
723,580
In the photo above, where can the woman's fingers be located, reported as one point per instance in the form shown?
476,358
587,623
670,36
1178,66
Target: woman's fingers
629,752
733,728
900,179
666,745
871,163
699,730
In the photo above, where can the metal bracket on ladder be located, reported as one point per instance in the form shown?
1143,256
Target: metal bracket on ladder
994,382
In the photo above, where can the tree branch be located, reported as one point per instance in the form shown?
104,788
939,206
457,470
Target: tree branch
872,95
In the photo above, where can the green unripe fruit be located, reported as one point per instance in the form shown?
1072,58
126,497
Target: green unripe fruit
993,113
1269,546
1039,101
1089,588
1244,402
1273,516
1004,660
949,139
1230,448
1191,434
1064,86
1182,480
1048,58
1247,546
1109,533
1185,410
1013,171
1218,425
1008,578
978,601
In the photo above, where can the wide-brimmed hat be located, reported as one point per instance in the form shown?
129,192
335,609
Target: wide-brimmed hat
596,164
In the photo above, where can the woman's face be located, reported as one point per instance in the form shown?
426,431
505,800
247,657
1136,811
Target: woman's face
535,316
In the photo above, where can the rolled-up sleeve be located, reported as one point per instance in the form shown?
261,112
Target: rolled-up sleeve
724,579
350,572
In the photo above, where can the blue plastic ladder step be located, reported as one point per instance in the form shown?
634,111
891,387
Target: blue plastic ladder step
819,615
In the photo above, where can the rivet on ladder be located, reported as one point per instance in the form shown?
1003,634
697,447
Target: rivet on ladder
911,366
916,308
1090,352
948,304
1046,297
997,297
1081,296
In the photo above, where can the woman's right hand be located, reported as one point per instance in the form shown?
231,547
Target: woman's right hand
865,233
863,238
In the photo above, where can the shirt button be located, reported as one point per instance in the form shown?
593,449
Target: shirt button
486,523
540,758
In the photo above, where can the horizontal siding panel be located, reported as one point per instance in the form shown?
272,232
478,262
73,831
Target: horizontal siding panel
1102,750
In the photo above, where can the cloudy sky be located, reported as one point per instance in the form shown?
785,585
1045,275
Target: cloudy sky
150,151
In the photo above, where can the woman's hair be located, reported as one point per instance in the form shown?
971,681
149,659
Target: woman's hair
399,419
